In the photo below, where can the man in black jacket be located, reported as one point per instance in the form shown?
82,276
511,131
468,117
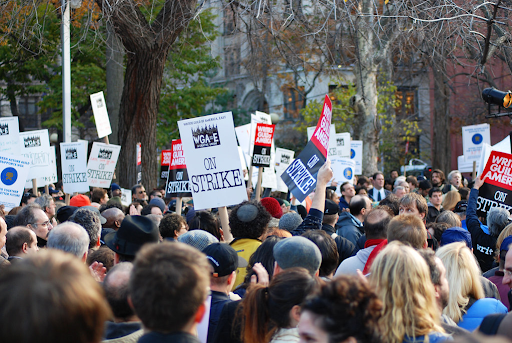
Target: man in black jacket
484,244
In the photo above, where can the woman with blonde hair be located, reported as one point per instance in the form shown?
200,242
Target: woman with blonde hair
467,305
401,279
450,200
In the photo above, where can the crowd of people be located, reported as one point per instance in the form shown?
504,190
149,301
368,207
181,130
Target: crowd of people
392,260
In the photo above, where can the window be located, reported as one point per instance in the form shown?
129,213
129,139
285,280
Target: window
293,102
408,101
229,22
27,105
232,60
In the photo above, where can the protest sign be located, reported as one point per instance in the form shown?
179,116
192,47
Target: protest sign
165,160
126,196
99,109
102,164
258,117
343,144
13,173
139,164
52,178
35,145
343,170
262,144
356,154
213,165
284,158
73,158
242,161
9,136
178,184
333,147
300,176
473,138
498,183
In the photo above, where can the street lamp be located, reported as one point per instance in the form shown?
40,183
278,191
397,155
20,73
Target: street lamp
66,66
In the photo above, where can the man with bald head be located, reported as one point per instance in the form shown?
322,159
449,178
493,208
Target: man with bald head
126,324
350,224
70,237
114,217
20,242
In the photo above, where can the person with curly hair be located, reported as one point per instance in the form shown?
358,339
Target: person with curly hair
401,279
248,221
172,226
345,310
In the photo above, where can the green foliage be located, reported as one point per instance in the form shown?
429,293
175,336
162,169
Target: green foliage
394,131
185,91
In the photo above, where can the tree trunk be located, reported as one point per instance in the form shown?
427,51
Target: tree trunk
138,116
115,74
441,152
147,46
366,86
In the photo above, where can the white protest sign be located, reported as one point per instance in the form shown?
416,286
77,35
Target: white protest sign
356,154
52,178
283,158
99,109
473,138
242,161
212,159
9,136
35,145
343,144
13,173
243,133
126,196
102,163
343,169
73,158
333,148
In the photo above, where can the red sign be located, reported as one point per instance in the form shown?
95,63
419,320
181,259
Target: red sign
321,135
264,134
498,170
178,157
165,157
139,153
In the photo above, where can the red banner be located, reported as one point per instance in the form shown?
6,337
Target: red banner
498,170
321,135
178,157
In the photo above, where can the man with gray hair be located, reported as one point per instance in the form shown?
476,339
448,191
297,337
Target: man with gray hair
90,221
71,238
47,204
497,218
33,217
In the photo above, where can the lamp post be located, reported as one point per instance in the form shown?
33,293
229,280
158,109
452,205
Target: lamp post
66,66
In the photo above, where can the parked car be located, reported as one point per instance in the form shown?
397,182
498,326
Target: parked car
417,167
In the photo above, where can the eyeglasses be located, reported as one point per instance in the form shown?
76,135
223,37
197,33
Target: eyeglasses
46,223
141,192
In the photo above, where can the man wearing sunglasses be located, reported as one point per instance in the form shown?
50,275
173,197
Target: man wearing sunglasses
33,217
139,192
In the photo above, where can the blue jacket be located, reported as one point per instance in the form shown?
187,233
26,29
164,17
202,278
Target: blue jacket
349,227
481,308
343,203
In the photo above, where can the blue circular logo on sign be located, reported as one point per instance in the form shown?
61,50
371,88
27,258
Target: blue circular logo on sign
9,176
477,138
352,153
347,173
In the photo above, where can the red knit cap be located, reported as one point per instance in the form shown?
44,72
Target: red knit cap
273,207
80,200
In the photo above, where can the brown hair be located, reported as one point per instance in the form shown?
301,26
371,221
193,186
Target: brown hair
51,297
346,307
169,283
408,229
421,203
97,194
267,309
